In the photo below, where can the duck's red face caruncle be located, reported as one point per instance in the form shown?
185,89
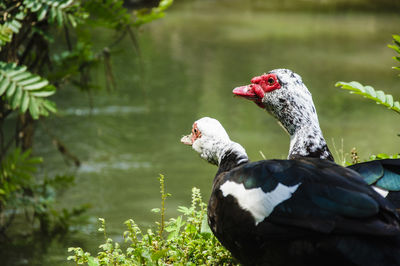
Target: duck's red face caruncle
190,139
258,87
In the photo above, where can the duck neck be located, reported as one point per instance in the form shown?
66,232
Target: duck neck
309,142
231,156
301,123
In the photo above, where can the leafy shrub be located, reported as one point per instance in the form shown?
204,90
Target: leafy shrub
20,192
185,240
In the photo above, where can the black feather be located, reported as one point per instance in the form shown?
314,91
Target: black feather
333,217
381,173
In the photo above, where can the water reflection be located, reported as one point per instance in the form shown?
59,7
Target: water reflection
107,110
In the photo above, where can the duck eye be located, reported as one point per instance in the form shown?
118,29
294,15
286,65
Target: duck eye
271,81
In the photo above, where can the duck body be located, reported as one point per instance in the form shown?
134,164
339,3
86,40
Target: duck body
282,93
306,211
302,212
383,174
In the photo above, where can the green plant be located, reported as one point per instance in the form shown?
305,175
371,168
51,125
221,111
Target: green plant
396,47
20,192
187,240
376,95
384,156
144,16
25,91
367,91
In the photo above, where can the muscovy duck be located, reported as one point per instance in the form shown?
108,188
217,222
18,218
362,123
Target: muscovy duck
307,211
283,94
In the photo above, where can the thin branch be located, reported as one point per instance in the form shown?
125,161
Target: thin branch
119,38
27,50
8,10
110,80
134,41
61,147
67,38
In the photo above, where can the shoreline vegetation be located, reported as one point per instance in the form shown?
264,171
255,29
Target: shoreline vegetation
186,240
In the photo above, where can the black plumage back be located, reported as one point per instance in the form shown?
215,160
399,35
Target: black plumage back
384,174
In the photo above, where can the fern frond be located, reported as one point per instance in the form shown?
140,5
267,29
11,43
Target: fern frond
367,91
25,91
396,47
5,34
59,11
10,27
18,168
145,16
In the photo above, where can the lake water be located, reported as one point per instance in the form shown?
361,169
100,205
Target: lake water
192,59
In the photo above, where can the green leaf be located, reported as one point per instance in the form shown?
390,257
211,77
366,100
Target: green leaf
11,90
396,48
378,96
37,85
43,93
381,97
159,254
15,102
4,83
72,20
369,90
14,70
55,10
59,17
92,262
49,105
396,38
25,90
389,100
42,13
33,108
25,102
21,76
31,80
143,16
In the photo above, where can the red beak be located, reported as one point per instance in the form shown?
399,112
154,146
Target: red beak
245,92
252,92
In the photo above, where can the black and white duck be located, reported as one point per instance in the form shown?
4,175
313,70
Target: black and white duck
284,95
308,211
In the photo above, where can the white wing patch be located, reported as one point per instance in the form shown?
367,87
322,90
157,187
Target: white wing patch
381,191
259,203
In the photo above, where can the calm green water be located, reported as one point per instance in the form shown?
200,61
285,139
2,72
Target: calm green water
193,58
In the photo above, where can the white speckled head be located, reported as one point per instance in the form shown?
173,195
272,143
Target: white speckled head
283,94
212,128
211,141
292,103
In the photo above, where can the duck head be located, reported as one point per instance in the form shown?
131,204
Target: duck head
210,140
283,94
